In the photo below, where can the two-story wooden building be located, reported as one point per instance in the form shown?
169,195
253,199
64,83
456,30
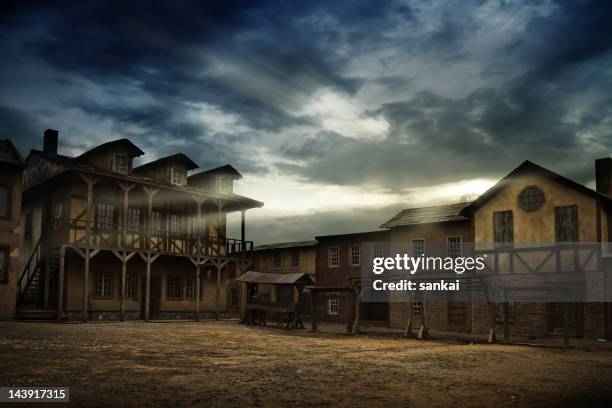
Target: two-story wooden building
544,237
11,167
339,262
109,240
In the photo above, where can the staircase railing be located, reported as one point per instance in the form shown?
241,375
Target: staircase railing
30,269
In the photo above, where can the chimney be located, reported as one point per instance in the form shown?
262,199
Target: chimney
603,176
50,141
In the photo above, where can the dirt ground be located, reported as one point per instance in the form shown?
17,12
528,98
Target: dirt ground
224,364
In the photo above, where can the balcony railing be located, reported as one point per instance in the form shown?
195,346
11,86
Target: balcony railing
122,237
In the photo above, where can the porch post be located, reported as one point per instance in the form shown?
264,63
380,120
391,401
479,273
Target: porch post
150,192
357,290
148,287
243,233
123,273
86,284
197,291
218,294
60,285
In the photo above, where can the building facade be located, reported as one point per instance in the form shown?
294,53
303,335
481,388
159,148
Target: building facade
11,167
110,240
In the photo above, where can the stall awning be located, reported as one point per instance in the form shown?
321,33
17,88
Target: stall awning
277,278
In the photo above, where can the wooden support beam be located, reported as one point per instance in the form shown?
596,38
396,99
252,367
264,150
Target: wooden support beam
243,233
197,294
90,181
126,188
122,298
492,311
150,193
218,293
86,285
60,284
357,291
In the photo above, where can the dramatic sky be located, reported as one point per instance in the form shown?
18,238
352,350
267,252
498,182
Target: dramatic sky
337,113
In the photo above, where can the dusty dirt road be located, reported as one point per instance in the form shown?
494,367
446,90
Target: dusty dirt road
223,364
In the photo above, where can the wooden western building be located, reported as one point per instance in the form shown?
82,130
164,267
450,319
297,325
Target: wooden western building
335,298
285,258
539,231
109,240
11,167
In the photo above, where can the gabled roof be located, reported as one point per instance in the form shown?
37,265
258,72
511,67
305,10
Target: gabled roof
528,167
351,234
133,150
227,170
280,245
276,278
179,157
9,153
424,215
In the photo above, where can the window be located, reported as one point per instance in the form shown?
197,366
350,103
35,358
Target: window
333,257
295,261
456,312
58,216
418,247
133,219
173,287
531,198
354,251
131,285
378,250
277,261
156,221
234,296
5,203
177,176
499,312
120,163
177,223
454,247
103,284
4,264
225,185
333,305
417,307
566,223
105,215
190,288
503,234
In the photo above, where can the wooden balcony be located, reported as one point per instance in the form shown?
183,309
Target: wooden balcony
137,238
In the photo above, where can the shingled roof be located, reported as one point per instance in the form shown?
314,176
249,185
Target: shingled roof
9,154
424,215
277,278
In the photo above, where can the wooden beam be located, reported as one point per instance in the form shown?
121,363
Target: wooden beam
122,299
148,287
357,290
197,294
243,233
218,293
86,285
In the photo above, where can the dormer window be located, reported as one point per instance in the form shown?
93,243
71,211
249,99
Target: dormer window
120,163
178,176
225,185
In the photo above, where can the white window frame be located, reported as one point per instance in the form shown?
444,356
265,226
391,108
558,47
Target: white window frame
118,166
448,248
226,183
178,175
293,264
330,264
277,265
131,281
105,280
352,255
333,304
412,241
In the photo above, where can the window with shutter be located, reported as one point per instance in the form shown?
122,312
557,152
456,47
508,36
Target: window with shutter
503,234
566,223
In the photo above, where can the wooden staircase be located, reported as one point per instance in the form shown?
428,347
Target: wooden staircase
30,286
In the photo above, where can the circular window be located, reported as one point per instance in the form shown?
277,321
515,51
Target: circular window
531,198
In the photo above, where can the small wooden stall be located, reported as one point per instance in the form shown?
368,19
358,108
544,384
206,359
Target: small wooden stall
257,308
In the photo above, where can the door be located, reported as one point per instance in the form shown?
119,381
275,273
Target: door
155,301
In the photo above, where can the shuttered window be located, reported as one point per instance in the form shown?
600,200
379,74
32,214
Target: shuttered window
566,223
503,233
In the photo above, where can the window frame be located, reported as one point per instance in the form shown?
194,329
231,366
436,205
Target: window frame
448,253
333,304
220,182
329,257
293,264
179,285
9,207
114,168
109,209
277,265
351,255
103,275
177,169
412,242
128,277
504,243
234,296
575,218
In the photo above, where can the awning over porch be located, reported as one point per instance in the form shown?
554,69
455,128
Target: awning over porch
277,278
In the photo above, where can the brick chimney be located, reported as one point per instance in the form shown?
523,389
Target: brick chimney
603,176
50,141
